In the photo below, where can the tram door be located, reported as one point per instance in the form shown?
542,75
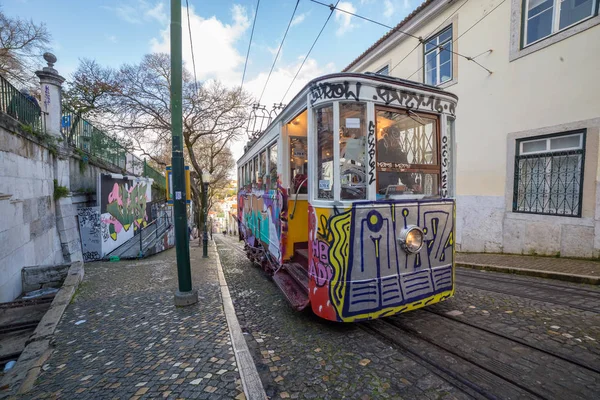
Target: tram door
297,233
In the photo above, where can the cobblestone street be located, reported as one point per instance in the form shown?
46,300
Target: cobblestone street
122,337
501,336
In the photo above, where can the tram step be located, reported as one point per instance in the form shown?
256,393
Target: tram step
299,273
295,294
302,253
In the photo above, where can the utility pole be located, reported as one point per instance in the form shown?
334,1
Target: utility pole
185,295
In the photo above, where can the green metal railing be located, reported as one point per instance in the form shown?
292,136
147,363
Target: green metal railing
82,135
22,107
77,131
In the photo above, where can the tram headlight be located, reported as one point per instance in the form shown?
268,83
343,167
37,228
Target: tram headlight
411,239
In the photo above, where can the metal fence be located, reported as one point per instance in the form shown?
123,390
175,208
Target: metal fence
77,131
81,134
23,107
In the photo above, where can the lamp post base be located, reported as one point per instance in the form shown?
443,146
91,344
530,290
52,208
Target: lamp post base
183,299
205,245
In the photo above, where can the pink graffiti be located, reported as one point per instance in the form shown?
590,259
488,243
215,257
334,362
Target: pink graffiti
319,267
114,195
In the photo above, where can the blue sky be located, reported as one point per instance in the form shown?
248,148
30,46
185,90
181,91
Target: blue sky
114,32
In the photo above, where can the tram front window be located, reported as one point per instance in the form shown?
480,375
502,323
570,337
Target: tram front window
324,125
407,154
353,129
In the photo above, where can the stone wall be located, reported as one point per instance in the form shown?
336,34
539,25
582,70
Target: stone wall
28,232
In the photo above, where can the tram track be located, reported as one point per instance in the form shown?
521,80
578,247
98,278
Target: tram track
524,292
520,341
471,379
481,361
530,282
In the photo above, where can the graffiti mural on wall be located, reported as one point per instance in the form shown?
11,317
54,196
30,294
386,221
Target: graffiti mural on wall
90,229
357,270
123,202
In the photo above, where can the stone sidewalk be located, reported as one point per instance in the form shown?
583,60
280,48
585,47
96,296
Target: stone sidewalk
122,337
568,269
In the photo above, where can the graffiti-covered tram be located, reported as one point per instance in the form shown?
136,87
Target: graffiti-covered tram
347,198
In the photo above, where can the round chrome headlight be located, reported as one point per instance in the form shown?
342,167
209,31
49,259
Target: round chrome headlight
411,239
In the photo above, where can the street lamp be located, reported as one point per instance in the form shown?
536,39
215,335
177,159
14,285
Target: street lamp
205,181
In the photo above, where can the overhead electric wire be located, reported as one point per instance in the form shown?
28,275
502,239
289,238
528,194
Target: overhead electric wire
461,35
249,44
432,32
332,8
278,50
187,6
379,23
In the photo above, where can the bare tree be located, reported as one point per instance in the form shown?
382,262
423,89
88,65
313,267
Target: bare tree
22,42
213,116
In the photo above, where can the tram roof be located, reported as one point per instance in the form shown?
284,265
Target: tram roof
367,75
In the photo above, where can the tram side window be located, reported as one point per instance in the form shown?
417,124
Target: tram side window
407,154
255,170
324,122
262,174
352,151
298,164
273,167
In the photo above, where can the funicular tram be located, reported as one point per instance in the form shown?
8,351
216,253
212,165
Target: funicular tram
347,198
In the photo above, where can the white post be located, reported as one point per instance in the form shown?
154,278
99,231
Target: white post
51,86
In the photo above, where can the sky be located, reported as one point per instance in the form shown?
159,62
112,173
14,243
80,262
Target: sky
117,32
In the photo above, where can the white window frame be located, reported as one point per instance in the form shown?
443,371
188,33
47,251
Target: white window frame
548,169
548,140
555,21
438,48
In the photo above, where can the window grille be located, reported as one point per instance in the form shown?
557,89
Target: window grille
549,175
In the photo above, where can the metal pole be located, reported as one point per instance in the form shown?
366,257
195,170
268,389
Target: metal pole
185,295
205,233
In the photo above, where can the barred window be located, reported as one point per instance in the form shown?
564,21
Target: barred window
549,175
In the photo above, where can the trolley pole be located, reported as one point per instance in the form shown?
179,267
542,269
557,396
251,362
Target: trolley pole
185,295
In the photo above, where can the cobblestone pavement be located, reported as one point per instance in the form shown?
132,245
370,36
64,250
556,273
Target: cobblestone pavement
122,337
549,264
547,349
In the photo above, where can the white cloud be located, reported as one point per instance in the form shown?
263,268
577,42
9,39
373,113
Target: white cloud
217,57
111,38
138,11
158,13
344,20
214,45
389,8
127,13
298,19
278,83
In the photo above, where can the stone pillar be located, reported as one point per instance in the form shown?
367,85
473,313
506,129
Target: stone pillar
66,212
51,85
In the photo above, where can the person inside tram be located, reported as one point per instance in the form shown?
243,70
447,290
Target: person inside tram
389,150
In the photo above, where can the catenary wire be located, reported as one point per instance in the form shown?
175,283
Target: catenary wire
278,50
332,8
432,32
187,6
249,44
311,47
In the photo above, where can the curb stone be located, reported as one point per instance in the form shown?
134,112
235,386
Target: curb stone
590,280
253,388
38,347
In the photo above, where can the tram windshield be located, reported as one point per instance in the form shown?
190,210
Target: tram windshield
407,153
